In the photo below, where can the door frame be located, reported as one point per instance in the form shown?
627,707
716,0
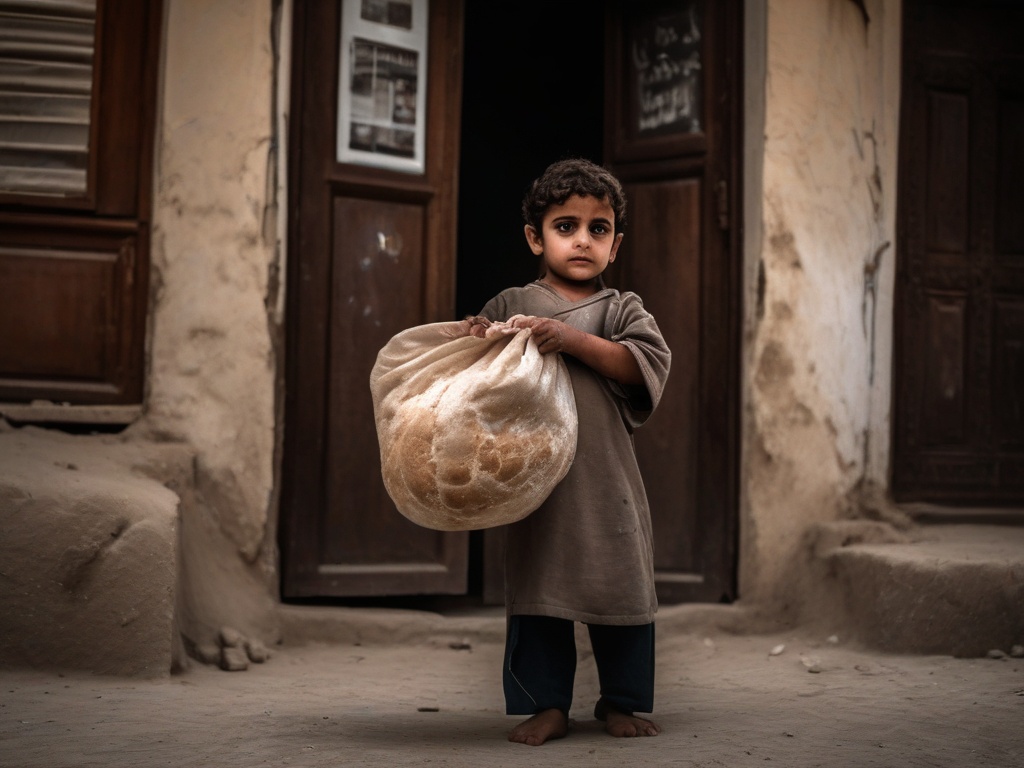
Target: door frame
303,481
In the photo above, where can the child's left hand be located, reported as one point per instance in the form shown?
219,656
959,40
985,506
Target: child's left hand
550,335
608,358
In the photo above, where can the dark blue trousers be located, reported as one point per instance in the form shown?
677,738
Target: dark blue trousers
540,665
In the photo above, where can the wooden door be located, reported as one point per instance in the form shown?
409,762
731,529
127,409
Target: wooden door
371,252
959,331
672,136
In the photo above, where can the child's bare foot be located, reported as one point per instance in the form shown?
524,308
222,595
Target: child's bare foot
621,724
549,724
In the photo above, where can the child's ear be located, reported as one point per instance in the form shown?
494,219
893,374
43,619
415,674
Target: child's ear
534,240
615,247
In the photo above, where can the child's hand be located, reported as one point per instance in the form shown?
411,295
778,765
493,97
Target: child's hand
483,328
609,358
550,335
478,325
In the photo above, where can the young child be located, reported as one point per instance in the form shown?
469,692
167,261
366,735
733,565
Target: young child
586,554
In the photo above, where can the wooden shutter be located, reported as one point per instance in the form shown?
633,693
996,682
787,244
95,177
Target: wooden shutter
46,84
77,106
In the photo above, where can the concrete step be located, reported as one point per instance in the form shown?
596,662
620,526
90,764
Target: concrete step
89,560
939,588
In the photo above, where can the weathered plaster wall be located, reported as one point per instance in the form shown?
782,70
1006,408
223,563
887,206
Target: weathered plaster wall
215,311
819,308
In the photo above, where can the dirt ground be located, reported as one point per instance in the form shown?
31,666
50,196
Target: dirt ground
722,700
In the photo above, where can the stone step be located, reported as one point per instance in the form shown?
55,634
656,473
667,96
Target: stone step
89,553
953,589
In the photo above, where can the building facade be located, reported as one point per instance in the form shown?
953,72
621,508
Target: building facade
326,174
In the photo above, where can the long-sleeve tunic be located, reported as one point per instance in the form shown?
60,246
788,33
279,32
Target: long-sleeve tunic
586,554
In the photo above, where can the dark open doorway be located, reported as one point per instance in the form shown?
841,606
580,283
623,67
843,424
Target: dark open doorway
533,92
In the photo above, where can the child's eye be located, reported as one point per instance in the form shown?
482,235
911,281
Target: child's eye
564,226
599,229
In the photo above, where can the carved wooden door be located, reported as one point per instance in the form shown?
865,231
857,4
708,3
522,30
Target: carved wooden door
672,137
373,166
959,346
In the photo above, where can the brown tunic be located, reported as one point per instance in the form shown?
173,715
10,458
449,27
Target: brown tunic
586,554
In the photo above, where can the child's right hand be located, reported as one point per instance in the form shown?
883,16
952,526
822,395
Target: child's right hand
609,358
478,325
551,335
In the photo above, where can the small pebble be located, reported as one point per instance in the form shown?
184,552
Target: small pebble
777,649
256,651
995,653
1017,652
233,659
231,638
811,663
208,653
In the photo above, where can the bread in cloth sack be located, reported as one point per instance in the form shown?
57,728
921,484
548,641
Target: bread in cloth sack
474,432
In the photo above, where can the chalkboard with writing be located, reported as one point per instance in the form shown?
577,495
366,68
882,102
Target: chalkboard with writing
664,70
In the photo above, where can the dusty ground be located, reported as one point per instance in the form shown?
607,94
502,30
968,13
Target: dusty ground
723,700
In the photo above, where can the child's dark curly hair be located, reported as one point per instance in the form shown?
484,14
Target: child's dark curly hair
575,176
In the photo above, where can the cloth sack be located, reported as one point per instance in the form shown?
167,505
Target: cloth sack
473,432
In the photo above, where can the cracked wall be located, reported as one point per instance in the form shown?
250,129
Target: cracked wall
215,311
819,282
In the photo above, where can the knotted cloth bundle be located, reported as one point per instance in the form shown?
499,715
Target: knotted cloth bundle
473,432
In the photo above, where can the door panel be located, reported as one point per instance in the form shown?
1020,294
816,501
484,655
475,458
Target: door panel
1008,350
68,316
661,253
371,254
959,389
376,289
944,365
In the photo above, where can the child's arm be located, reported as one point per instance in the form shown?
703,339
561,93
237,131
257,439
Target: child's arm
609,358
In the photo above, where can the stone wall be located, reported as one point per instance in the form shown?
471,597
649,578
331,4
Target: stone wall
215,313
89,552
819,296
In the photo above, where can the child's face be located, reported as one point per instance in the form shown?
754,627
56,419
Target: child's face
577,241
